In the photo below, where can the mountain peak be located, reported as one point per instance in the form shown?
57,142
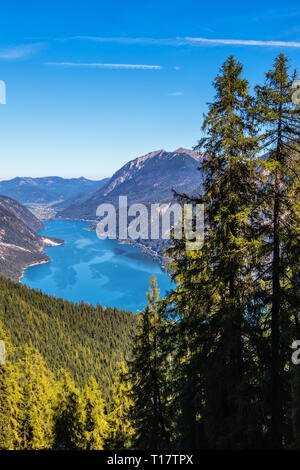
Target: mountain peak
182,150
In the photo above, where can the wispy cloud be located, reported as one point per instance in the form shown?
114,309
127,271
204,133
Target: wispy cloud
21,51
25,50
182,41
106,66
240,42
128,40
114,39
176,93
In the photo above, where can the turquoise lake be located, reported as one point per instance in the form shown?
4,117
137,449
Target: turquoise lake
96,271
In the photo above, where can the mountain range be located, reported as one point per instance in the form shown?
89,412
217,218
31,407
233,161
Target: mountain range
46,190
147,179
151,178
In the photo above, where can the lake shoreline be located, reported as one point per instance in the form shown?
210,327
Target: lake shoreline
154,255
31,265
92,270
47,241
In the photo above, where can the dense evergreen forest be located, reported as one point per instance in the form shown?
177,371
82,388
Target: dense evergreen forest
82,339
210,365
63,361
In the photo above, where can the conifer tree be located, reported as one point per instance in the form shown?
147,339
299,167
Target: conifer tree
146,374
119,413
39,393
81,423
7,399
66,413
279,118
92,418
214,283
5,427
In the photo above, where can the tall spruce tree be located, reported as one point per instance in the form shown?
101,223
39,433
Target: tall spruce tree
279,118
213,284
146,374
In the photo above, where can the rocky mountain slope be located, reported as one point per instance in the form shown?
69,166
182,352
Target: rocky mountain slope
150,178
21,212
20,245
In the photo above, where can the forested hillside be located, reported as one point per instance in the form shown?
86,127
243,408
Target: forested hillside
79,338
61,387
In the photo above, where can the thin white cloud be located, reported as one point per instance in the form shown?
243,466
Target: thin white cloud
106,66
182,41
20,51
241,42
176,93
128,40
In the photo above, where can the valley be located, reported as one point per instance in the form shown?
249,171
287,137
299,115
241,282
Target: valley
151,178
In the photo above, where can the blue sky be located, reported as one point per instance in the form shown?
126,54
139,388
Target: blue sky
93,84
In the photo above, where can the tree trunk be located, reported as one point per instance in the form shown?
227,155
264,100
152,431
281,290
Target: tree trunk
276,405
